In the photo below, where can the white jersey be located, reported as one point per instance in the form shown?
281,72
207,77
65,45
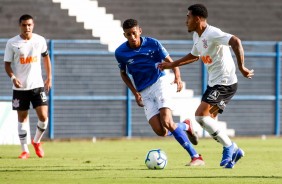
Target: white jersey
26,57
213,49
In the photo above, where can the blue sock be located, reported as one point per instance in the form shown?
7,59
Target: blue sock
181,125
183,140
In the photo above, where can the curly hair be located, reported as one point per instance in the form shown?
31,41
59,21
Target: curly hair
198,10
129,23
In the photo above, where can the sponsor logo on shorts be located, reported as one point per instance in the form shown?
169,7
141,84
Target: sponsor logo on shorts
213,95
221,105
16,103
43,96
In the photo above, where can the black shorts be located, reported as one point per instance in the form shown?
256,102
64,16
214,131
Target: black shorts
219,95
22,99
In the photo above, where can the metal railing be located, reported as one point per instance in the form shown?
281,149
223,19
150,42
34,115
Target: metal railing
128,98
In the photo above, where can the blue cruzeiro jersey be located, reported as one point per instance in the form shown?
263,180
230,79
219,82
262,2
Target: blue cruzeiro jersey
142,63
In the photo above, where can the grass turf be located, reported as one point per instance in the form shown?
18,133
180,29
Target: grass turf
122,161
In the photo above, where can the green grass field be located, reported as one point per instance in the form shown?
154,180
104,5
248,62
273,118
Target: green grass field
122,161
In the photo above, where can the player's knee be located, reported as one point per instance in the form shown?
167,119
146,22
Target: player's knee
43,118
22,116
199,112
169,124
161,133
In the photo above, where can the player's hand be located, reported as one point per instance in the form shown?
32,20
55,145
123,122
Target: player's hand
17,83
179,84
247,73
139,100
47,85
165,65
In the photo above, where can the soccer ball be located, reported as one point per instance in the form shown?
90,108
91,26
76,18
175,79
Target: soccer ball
156,159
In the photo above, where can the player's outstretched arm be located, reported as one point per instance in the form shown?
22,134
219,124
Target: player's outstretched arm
238,50
177,75
189,58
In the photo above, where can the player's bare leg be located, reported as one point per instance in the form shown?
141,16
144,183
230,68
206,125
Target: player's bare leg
180,136
157,127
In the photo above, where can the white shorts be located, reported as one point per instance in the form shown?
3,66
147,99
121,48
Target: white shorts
157,96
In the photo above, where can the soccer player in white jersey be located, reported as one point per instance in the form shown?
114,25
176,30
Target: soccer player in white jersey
211,45
139,56
23,65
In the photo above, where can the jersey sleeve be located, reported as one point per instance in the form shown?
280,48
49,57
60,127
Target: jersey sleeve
194,50
163,52
121,65
44,46
221,38
8,55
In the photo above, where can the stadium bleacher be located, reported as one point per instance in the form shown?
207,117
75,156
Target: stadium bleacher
165,19
50,20
162,19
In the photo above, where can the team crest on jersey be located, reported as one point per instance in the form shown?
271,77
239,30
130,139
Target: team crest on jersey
213,95
205,43
16,103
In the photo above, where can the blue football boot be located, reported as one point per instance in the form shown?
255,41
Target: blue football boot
237,155
227,155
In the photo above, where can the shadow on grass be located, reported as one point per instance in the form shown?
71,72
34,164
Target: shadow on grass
102,168
217,177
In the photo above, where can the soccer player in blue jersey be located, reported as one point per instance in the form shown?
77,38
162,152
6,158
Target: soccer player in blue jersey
139,57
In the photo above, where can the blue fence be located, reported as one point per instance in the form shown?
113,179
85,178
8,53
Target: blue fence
176,48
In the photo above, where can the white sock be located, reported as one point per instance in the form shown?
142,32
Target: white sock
40,129
211,126
22,131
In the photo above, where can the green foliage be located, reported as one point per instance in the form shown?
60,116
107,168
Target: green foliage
122,161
